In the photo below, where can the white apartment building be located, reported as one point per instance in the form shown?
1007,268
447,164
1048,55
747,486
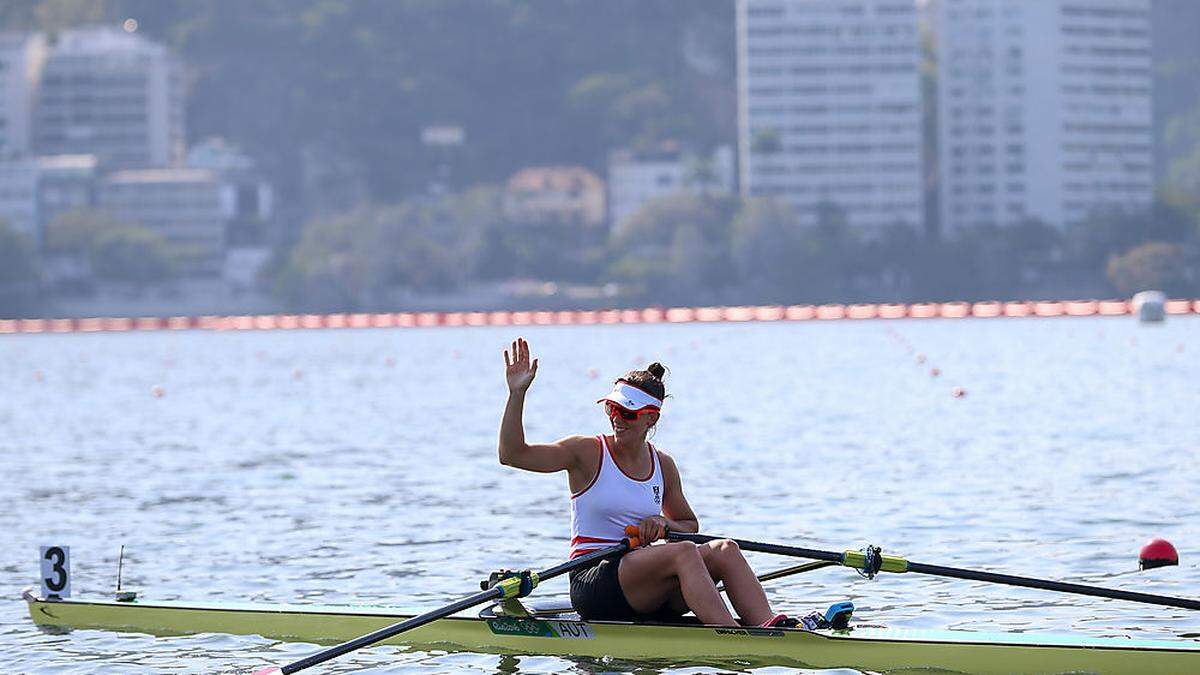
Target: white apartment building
637,177
19,197
66,182
35,190
829,107
112,94
21,59
1045,109
199,211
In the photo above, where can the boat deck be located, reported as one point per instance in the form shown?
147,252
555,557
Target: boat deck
863,647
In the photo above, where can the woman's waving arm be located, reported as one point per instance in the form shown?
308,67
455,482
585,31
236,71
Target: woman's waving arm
513,450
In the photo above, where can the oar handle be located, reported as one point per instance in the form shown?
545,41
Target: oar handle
631,534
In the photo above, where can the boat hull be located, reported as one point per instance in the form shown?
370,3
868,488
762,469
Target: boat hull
866,648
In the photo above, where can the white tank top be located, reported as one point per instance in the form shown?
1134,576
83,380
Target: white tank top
614,499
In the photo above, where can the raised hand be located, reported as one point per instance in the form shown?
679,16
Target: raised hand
518,369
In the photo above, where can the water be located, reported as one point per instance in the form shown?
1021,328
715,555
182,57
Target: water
359,466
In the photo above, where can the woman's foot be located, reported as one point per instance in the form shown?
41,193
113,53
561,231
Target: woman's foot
780,621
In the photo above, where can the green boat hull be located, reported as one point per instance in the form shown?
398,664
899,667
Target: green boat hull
865,648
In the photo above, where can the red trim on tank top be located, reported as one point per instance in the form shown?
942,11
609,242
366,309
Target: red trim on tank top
653,463
581,545
599,465
592,540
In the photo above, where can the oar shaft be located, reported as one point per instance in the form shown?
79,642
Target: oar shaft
788,571
492,593
894,564
394,629
1048,585
761,547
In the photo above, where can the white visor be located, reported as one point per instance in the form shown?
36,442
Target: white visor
630,397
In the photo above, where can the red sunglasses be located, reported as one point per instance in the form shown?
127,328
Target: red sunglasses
614,410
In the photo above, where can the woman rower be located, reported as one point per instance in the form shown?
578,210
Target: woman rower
619,480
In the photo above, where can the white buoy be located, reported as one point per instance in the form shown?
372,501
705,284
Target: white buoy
1150,306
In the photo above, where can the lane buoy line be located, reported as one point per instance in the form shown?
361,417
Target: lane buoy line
830,312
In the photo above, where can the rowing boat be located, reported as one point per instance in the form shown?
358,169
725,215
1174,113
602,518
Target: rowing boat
512,627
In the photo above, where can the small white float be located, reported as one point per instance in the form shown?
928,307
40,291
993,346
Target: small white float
1150,306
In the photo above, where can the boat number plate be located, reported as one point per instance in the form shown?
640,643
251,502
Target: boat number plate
570,630
56,571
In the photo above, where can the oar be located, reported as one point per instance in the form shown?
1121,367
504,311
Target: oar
788,571
512,587
872,563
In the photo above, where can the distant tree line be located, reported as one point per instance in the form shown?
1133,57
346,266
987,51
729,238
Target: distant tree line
82,249
719,248
685,249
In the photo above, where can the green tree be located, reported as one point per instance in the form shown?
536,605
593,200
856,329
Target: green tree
642,243
133,255
1182,190
1090,243
687,258
766,141
360,259
75,232
1152,266
18,273
768,246
55,15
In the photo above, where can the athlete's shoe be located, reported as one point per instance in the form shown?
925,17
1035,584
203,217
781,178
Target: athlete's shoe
780,621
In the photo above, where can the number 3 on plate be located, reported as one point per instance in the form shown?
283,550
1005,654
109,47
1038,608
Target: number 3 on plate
56,571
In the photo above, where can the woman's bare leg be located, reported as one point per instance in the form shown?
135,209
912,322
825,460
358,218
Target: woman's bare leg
652,576
725,562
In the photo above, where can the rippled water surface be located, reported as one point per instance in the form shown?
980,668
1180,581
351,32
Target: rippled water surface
359,466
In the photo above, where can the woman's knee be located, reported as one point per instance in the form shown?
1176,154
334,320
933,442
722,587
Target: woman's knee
684,554
729,548
724,552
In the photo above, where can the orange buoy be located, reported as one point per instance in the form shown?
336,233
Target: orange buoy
158,391
934,372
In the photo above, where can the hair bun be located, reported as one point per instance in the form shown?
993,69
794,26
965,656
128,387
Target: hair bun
657,369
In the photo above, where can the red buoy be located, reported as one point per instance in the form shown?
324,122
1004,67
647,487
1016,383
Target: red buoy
1157,553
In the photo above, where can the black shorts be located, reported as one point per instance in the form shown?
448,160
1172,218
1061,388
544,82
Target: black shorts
596,594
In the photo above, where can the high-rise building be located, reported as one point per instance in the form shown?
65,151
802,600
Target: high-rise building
1044,110
21,58
829,107
112,94
1176,27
